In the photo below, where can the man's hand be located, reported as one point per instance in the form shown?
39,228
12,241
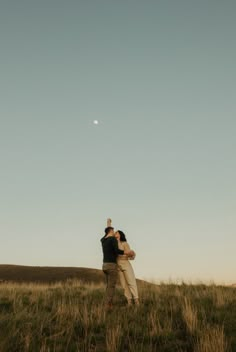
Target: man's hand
130,253
109,221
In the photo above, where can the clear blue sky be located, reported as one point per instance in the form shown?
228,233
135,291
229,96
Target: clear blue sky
159,76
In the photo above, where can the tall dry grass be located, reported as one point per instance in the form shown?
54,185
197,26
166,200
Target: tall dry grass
212,339
189,313
71,317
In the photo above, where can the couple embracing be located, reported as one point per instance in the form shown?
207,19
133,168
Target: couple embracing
116,256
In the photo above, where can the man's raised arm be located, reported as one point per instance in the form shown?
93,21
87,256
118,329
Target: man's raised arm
109,221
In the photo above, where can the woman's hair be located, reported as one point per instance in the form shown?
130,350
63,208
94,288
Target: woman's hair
122,236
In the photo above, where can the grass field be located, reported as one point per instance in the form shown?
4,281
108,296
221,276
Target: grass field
70,316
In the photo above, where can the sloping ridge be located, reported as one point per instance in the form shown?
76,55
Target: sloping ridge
49,274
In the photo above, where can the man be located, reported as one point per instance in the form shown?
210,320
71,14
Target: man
110,253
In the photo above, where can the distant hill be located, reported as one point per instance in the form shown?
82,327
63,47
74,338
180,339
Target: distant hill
49,274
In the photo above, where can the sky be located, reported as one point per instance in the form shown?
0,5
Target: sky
159,76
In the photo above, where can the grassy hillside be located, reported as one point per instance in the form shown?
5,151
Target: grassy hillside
70,316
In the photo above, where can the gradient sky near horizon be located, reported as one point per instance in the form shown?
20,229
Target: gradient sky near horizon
160,78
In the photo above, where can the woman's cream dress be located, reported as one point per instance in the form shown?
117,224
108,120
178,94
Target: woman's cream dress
126,273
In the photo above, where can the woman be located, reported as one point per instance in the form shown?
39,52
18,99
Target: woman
125,270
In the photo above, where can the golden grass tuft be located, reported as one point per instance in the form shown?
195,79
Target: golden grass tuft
189,315
212,339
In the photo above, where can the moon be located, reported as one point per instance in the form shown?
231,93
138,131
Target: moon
95,122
